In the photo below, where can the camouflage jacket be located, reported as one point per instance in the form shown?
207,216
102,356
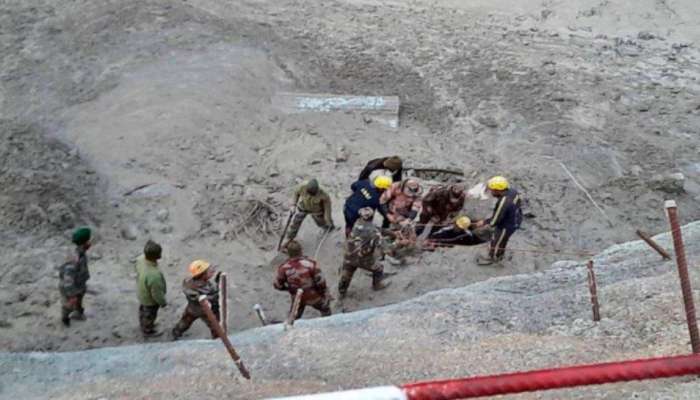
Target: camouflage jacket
73,275
301,273
363,240
193,288
440,204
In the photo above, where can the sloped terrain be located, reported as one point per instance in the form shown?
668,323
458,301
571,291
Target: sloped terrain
506,324
174,98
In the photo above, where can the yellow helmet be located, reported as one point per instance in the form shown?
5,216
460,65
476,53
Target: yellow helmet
463,222
383,182
498,183
198,267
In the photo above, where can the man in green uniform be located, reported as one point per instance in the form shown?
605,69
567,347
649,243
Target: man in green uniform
309,198
359,253
73,276
151,288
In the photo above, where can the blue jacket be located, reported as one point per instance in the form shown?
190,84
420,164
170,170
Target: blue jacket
364,194
507,213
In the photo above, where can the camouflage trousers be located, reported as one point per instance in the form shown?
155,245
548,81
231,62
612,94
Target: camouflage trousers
191,314
323,305
147,318
351,264
70,304
298,219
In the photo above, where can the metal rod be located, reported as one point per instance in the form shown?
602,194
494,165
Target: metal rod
653,245
295,309
593,288
204,303
679,248
223,301
261,314
320,243
556,378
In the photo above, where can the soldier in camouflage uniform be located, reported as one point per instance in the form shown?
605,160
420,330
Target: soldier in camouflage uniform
200,283
300,272
309,198
150,288
73,276
359,253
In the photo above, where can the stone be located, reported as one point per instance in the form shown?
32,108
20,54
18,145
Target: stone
672,183
34,215
130,232
61,216
162,215
341,154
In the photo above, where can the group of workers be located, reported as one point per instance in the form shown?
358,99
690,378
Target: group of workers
150,285
380,188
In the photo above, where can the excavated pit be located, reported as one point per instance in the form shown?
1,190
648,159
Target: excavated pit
177,99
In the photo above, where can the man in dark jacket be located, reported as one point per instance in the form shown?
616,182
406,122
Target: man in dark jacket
392,166
199,284
73,276
458,233
506,219
365,194
442,204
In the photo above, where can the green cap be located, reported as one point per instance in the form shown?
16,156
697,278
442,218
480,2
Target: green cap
81,235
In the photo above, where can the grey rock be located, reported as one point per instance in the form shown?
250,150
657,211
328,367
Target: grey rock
130,232
162,215
61,216
672,183
341,154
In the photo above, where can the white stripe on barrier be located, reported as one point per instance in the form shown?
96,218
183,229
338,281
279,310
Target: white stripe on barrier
378,393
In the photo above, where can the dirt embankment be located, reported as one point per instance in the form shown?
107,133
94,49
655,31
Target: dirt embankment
176,97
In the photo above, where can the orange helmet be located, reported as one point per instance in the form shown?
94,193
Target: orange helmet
198,267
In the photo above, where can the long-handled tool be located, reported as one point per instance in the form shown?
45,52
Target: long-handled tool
286,226
261,314
295,309
220,333
320,243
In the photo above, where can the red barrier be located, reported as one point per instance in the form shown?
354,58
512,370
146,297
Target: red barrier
557,378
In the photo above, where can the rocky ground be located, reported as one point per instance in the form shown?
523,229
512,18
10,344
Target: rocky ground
99,98
510,323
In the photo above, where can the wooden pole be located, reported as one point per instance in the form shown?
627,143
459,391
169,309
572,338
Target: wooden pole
295,309
593,288
209,314
223,301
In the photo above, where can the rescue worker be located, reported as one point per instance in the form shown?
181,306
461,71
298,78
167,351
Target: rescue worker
388,166
402,202
365,194
458,233
506,219
309,198
300,272
359,253
199,284
151,288
442,204
73,276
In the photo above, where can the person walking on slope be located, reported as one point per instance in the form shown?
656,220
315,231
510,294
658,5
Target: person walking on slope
365,193
73,276
300,272
309,198
442,203
151,288
359,253
506,219
199,284
402,202
388,166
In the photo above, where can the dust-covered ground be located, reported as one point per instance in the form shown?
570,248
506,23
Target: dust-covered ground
99,98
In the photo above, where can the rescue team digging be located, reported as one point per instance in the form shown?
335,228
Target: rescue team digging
414,216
